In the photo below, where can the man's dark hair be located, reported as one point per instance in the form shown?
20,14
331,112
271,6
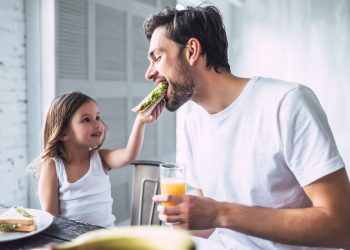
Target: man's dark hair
203,23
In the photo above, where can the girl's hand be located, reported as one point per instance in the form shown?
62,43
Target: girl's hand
154,116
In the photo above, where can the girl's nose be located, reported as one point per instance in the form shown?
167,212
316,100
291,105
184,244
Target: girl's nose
98,124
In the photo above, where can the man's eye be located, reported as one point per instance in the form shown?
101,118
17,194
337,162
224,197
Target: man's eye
158,58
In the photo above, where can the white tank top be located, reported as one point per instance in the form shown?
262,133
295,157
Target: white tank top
88,199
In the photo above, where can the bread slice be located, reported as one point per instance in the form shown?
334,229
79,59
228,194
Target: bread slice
22,221
147,105
147,112
22,228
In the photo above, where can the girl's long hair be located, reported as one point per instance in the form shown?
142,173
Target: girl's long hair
57,120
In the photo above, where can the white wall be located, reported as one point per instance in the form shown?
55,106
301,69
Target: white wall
13,100
306,41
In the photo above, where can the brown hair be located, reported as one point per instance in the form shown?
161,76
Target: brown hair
201,22
57,120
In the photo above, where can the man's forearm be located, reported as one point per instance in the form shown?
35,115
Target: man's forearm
303,226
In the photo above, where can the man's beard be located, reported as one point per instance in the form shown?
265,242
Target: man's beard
180,93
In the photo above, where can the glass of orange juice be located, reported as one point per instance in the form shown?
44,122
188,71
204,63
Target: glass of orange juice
172,180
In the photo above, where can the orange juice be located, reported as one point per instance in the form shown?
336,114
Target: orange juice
174,186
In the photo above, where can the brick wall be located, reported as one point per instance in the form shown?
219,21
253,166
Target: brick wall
13,114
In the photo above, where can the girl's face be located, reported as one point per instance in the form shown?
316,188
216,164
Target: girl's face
86,128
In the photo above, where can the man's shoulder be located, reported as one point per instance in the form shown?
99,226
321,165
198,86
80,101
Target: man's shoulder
276,84
276,87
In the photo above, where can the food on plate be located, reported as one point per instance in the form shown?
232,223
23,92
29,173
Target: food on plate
17,219
147,105
23,212
132,238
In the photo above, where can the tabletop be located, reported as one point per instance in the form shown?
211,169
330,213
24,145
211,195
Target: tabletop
61,230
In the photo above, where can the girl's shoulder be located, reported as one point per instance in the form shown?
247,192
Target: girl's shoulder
103,155
49,168
98,155
50,163
57,165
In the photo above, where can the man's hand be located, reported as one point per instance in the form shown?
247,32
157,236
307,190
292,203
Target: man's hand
191,212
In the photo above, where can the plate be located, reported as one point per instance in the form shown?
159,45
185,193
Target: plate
42,219
206,244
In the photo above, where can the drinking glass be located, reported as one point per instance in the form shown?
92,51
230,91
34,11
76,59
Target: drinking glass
172,180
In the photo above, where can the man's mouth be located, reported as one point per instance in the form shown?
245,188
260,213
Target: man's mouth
158,82
169,86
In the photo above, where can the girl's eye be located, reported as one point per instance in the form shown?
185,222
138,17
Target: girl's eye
86,119
158,59
98,118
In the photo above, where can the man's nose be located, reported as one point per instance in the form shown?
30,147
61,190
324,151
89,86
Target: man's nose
150,72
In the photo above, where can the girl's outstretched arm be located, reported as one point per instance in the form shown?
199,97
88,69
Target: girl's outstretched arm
48,188
114,158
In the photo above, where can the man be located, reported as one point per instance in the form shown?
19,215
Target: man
260,152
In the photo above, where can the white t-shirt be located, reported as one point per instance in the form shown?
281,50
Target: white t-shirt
260,151
88,199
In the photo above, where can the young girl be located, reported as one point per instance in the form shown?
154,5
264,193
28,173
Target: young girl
74,181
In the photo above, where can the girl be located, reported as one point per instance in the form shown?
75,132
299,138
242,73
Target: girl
74,181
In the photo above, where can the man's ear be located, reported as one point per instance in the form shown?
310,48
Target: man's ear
194,49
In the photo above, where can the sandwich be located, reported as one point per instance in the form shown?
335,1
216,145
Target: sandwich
17,219
146,106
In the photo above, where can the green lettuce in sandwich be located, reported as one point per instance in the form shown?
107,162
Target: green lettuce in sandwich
146,106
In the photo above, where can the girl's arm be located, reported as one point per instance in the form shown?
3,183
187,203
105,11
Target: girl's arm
48,188
114,158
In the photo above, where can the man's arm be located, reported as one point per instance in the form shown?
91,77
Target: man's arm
326,223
